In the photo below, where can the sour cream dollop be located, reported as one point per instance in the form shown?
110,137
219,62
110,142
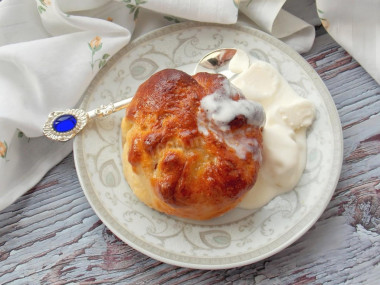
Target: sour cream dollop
288,116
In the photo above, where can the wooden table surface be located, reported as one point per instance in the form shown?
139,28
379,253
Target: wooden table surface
51,235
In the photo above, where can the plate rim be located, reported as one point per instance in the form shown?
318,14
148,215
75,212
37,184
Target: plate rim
302,226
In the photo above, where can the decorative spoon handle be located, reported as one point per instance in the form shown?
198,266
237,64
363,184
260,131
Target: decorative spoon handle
64,125
105,110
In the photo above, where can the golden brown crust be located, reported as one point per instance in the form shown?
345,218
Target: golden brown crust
169,164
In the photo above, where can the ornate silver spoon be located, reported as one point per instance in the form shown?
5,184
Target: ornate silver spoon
64,125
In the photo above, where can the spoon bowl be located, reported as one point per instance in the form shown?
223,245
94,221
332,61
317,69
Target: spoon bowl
227,61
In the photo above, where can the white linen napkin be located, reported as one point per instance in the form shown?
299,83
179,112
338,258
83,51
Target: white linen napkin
50,50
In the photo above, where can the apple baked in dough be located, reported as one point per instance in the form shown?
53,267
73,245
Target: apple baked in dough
191,144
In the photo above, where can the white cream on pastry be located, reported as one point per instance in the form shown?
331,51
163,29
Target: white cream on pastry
220,109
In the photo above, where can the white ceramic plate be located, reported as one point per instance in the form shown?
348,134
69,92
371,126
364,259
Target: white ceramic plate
239,237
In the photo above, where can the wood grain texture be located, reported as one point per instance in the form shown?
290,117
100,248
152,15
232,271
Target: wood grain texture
52,236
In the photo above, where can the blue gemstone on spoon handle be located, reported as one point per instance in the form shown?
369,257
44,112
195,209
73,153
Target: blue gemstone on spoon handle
64,123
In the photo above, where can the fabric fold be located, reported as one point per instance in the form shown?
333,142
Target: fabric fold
212,11
269,15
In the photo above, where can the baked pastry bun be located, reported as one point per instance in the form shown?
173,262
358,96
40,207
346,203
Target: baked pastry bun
191,144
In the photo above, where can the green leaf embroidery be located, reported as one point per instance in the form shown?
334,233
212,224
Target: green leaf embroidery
43,6
136,14
20,135
134,8
131,7
103,61
41,9
172,19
